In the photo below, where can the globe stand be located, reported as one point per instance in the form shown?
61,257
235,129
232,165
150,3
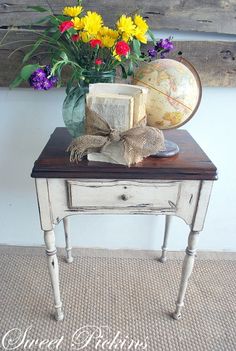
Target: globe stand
171,149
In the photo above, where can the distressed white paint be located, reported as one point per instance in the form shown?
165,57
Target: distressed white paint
51,251
166,239
115,194
121,197
202,205
69,257
44,205
186,272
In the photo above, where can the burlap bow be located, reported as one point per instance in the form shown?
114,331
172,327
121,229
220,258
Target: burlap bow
139,142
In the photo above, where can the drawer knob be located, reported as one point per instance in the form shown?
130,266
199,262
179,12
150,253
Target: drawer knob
124,197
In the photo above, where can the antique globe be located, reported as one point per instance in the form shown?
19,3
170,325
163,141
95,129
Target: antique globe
174,93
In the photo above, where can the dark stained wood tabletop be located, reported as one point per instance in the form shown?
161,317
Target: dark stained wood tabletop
191,163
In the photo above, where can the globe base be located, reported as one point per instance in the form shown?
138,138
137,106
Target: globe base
172,149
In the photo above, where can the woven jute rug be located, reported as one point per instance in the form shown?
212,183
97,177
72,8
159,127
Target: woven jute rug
116,300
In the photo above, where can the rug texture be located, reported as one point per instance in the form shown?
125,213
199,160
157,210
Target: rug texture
116,300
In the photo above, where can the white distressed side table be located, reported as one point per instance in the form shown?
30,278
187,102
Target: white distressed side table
180,186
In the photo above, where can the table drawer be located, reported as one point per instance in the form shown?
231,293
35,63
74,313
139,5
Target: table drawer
123,194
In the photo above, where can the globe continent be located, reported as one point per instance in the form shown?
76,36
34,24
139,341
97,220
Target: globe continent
174,92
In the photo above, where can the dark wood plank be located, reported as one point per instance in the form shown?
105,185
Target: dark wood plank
215,61
194,15
190,163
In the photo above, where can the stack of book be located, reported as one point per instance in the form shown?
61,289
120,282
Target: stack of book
123,106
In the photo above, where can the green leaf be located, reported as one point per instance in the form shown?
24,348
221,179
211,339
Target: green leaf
59,69
72,31
43,20
28,70
63,18
37,8
16,82
64,56
124,74
51,30
56,35
136,46
151,35
130,69
34,48
54,20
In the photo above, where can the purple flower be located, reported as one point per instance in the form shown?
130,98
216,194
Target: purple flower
38,75
164,44
152,52
53,80
41,79
46,84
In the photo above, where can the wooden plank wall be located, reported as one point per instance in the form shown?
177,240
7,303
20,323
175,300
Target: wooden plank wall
214,60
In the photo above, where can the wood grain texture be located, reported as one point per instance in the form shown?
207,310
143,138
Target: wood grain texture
194,15
190,164
214,61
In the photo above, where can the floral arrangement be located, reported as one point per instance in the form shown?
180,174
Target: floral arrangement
82,41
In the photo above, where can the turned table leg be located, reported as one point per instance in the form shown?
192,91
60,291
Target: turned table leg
166,237
186,271
51,251
69,257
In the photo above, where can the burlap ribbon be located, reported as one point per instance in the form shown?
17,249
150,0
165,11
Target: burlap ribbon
139,142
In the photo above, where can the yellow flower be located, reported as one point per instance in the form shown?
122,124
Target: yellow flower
85,37
72,11
140,36
103,30
108,36
126,37
110,32
92,22
126,27
141,24
107,41
78,23
117,57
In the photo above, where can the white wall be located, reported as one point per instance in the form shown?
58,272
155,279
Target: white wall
27,120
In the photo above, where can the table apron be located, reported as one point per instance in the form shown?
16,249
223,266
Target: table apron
58,198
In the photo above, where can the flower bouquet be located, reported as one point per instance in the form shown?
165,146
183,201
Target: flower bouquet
92,51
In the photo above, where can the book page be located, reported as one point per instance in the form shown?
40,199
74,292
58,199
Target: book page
124,89
139,94
117,110
112,153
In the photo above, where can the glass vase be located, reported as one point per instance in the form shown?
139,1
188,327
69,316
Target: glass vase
73,109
